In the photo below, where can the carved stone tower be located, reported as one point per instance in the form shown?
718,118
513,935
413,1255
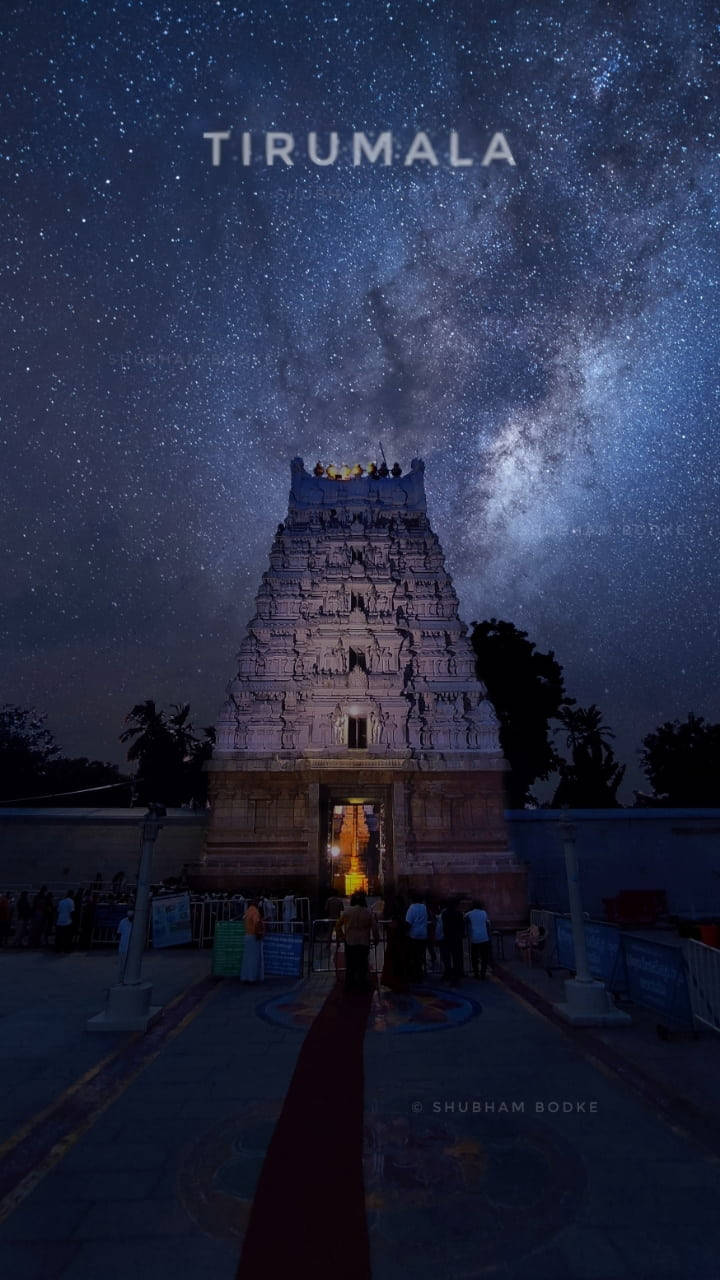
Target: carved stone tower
356,687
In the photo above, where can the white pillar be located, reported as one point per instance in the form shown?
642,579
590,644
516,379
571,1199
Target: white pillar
129,1006
587,1002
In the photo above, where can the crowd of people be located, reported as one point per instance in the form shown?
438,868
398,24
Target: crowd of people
414,936
43,919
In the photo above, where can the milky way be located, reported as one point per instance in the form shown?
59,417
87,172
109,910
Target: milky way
544,335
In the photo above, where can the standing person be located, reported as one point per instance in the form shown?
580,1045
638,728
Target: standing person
87,920
432,934
252,961
37,916
417,919
267,909
334,906
453,925
440,939
357,926
48,923
479,931
289,912
398,962
5,911
24,912
64,924
123,932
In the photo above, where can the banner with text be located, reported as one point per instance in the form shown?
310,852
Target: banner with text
171,923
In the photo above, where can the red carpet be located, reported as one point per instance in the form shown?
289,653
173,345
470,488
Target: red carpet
308,1214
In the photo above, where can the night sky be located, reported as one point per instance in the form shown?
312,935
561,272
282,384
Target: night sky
544,335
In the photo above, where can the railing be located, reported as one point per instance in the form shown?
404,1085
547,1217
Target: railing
649,973
205,913
324,947
703,969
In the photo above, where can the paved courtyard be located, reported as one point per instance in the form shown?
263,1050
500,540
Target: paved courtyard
495,1142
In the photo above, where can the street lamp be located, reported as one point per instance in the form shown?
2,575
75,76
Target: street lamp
128,1005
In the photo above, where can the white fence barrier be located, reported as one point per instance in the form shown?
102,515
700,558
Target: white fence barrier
703,969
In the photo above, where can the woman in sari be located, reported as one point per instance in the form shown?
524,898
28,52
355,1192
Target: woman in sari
252,961
397,967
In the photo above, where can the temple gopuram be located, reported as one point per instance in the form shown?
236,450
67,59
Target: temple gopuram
357,748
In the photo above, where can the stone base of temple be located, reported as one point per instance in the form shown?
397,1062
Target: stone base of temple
438,824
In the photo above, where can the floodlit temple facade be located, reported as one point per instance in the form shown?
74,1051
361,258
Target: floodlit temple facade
356,747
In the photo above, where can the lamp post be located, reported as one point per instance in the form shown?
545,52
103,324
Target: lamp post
587,1002
128,1005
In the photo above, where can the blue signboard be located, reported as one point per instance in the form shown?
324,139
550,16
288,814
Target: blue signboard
564,943
651,974
171,924
283,954
657,978
604,949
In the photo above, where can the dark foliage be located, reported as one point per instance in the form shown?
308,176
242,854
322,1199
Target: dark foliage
682,761
590,779
168,754
527,691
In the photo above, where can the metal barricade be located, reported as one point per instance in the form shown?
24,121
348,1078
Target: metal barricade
323,948
703,971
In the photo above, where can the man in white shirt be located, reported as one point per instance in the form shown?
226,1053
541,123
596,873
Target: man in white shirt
64,923
478,926
417,919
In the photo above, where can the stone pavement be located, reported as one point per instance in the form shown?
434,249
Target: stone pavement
684,1067
471,1163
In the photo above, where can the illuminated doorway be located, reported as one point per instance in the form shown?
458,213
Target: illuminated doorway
356,846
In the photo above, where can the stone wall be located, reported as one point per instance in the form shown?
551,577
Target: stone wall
675,850
67,847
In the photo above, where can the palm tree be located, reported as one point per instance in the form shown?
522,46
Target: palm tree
153,746
169,757
591,779
147,726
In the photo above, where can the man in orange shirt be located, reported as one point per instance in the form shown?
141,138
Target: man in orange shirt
357,926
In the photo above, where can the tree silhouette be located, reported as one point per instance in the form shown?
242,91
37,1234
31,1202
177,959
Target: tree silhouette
682,761
27,748
32,768
592,776
169,756
153,748
527,691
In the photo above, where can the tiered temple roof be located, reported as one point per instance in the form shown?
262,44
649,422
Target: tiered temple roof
356,645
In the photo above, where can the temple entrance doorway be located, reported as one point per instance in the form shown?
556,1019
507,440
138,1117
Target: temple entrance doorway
354,843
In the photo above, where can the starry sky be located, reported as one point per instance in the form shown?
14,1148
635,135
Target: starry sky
544,335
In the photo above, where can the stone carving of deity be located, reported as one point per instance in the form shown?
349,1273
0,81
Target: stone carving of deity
338,725
486,713
374,657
